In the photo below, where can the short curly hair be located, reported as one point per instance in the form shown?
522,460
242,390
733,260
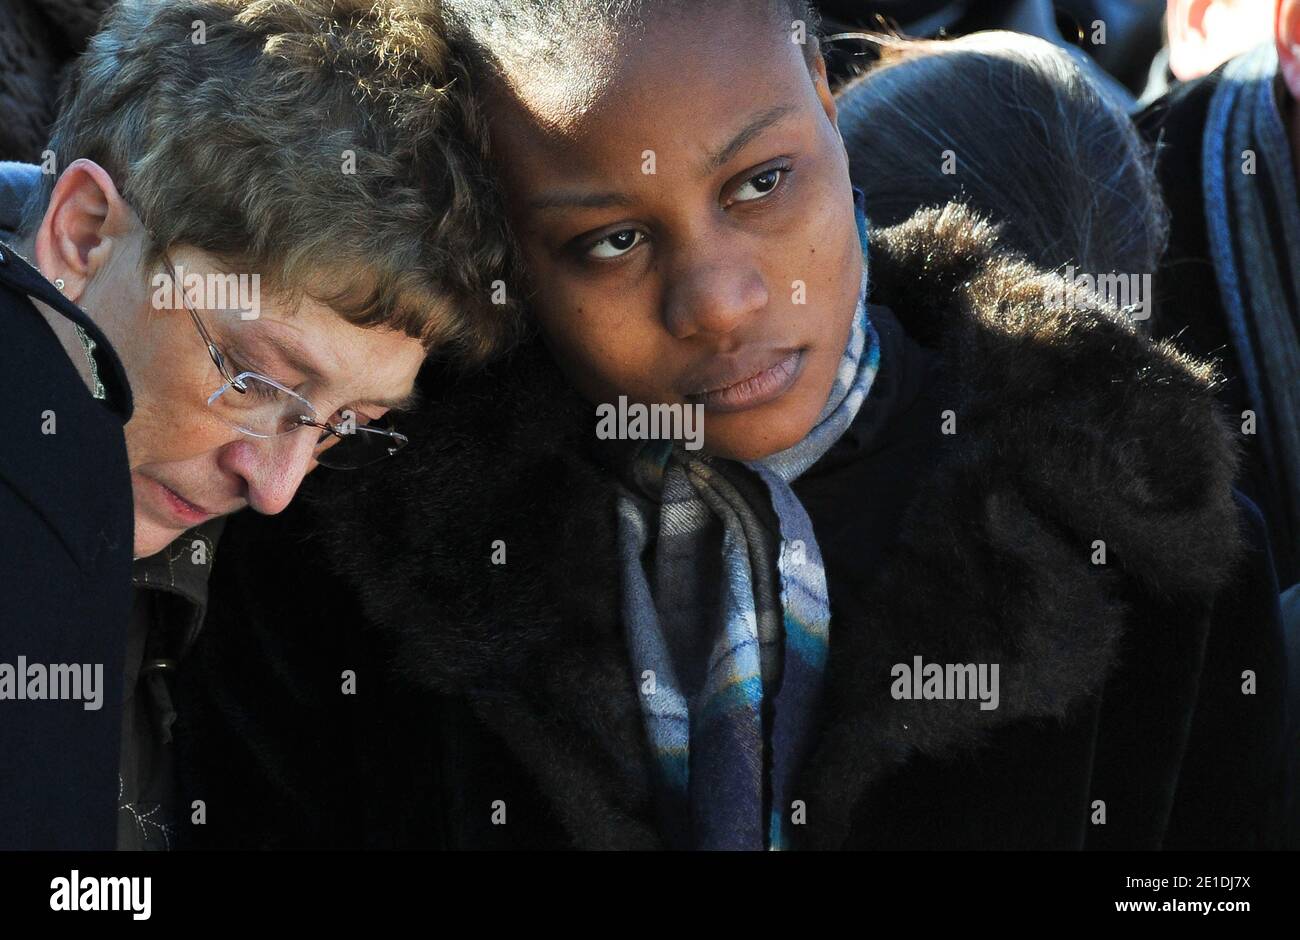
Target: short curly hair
316,142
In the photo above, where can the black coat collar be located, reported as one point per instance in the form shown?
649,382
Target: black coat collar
22,278
1072,428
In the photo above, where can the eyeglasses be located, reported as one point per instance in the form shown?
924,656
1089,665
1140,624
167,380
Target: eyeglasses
261,407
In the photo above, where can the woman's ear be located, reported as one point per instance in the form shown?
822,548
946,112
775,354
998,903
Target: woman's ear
85,220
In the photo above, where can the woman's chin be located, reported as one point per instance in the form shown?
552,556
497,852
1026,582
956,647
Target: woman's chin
752,440
151,537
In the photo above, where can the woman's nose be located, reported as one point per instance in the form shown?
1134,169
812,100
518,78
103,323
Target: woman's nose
714,297
273,468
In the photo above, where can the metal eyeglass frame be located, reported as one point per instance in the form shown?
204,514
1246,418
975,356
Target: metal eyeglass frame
236,382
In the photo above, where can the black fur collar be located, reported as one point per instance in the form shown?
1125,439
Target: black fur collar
1071,428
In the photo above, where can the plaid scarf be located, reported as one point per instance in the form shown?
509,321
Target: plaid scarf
1253,221
728,617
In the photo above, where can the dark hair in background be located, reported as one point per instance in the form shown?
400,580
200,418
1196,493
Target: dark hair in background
1037,149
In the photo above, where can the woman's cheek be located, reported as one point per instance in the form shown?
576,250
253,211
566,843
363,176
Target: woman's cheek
610,369
173,422
607,338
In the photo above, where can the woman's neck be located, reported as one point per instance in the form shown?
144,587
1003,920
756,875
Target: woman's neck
63,328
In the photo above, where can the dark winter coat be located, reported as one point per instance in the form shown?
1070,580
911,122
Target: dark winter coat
66,537
481,687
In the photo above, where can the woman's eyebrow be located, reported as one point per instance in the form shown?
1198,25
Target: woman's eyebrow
285,349
579,199
761,122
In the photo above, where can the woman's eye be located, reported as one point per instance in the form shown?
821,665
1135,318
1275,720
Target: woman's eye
255,392
759,186
612,246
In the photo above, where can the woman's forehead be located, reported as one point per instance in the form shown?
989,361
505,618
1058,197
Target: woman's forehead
608,124
698,58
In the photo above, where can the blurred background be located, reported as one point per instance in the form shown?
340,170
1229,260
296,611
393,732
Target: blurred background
1131,57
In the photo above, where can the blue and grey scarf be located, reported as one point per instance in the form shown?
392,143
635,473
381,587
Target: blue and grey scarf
728,617
1253,222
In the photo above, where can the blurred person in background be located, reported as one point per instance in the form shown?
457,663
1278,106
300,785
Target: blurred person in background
1228,149
1229,285
1054,126
1114,54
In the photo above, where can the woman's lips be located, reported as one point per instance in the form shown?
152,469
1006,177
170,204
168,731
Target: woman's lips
182,509
760,387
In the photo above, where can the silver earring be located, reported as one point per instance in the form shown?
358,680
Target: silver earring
58,283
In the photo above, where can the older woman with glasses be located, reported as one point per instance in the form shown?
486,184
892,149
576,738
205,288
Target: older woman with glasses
305,152
264,408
